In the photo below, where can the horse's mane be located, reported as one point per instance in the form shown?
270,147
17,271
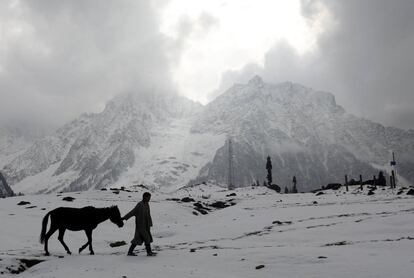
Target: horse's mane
111,208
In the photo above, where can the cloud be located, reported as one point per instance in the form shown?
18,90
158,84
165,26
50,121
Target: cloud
364,56
61,58
186,30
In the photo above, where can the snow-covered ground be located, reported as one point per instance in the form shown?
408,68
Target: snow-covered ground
337,234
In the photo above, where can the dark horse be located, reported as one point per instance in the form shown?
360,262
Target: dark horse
76,219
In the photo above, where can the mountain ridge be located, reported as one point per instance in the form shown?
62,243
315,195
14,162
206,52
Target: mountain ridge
170,141
307,123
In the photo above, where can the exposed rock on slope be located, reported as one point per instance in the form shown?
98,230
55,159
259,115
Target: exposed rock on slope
5,190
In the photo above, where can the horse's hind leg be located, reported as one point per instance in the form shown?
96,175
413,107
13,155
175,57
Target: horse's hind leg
52,229
85,245
60,237
89,235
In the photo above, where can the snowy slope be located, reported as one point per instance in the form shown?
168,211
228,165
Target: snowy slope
338,234
174,156
14,140
40,160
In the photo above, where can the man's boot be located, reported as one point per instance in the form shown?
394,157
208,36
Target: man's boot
149,251
131,250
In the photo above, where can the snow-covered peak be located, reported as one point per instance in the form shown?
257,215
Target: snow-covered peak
94,150
256,81
303,130
161,106
280,105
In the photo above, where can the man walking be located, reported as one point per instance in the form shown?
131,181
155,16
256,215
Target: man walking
143,223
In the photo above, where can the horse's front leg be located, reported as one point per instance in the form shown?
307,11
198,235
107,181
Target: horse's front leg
89,235
60,237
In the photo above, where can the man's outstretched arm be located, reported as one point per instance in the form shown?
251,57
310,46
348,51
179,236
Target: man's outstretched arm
130,214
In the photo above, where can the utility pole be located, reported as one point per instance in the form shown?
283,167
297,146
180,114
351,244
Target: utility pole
230,182
346,182
393,163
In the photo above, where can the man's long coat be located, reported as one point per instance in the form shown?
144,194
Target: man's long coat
143,223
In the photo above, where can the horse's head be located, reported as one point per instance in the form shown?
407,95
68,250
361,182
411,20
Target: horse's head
115,216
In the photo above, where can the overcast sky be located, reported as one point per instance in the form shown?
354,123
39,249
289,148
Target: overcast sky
61,58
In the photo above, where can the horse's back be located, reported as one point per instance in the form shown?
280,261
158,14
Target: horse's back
73,218
72,211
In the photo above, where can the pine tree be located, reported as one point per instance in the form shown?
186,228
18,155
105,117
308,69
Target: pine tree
381,179
286,190
269,170
294,189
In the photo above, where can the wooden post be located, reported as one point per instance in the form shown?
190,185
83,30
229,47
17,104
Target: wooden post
391,182
360,183
346,182
393,178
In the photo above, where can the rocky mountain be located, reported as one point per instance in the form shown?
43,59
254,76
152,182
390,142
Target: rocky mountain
95,149
169,142
305,132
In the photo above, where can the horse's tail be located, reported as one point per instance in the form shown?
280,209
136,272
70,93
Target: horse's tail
44,226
